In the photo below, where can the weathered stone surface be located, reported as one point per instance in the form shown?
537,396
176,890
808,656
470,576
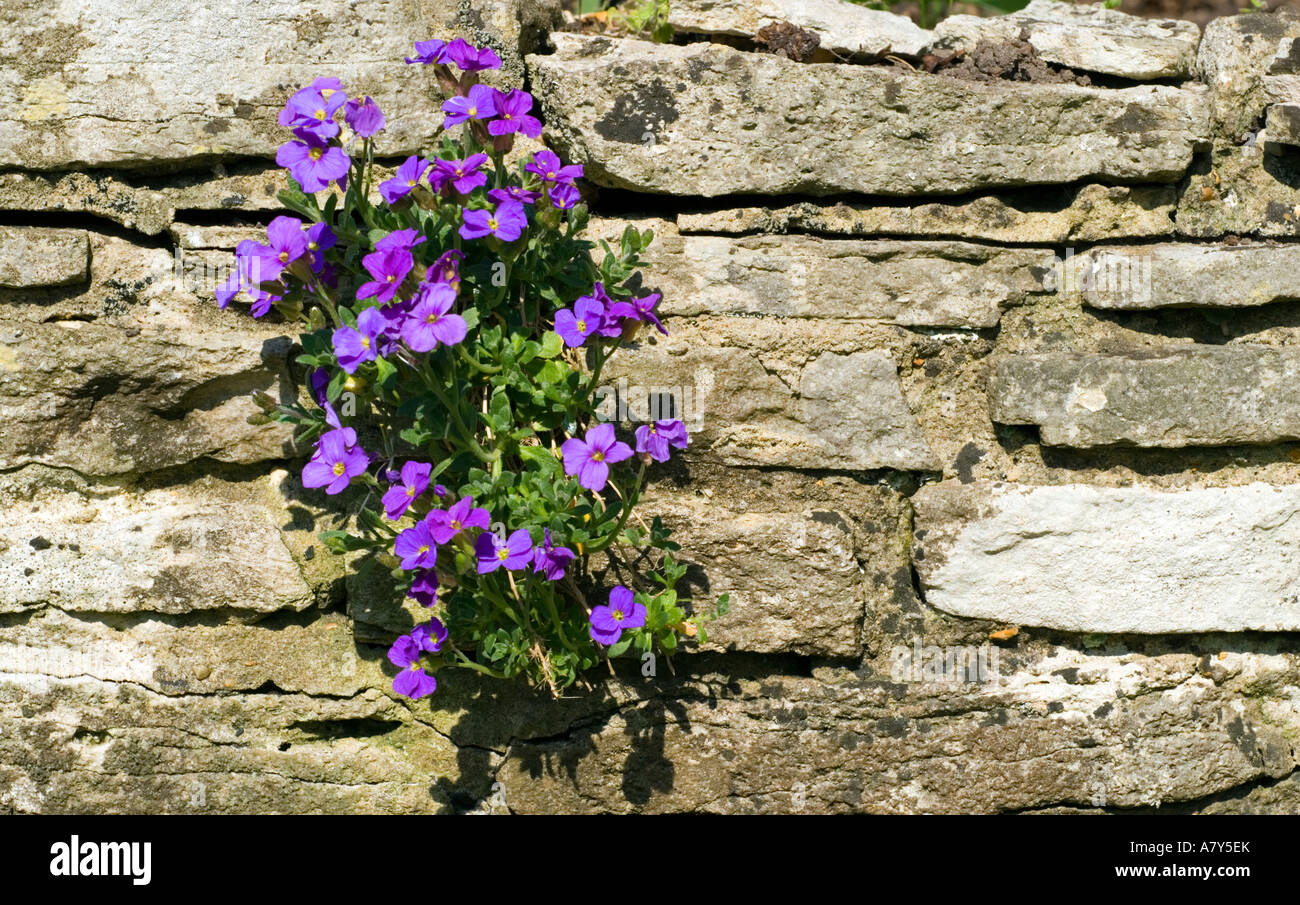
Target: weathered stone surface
313,655
104,401
82,745
1283,125
135,208
1090,213
929,284
1181,396
1171,275
1112,560
89,83
43,257
1090,38
181,549
844,28
1233,58
845,412
1108,730
794,580
628,111
1242,191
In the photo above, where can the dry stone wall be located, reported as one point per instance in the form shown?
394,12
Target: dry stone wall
992,385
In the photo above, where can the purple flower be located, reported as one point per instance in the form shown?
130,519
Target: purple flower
388,268
416,548
429,52
550,560
336,462
365,117
590,459
320,238
412,681
352,347
430,636
515,553
463,175
286,240
585,319
655,439
447,523
320,381
430,321
507,223
623,612
312,110
447,269
399,240
552,172
313,161
513,115
563,196
479,104
611,321
469,58
398,498
424,587
515,193
645,311
406,178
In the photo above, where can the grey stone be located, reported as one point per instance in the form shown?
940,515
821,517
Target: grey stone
844,28
90,83
929,284
1090,213
1242,191
1233,59
172,550
1090,38
1173,274
43,257
1283,126
1105,730
845,411
630,112
1174,397
1112,560
793,577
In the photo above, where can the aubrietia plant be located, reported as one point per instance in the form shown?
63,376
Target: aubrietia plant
448,323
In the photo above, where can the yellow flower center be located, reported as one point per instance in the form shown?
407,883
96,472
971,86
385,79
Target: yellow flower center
598,456
431,319
550,175
339,468
315,153
503,554
455,525
618,615
392,277
410,491
492,224
365,342
582,326
321,115
473,111
423,549
284,257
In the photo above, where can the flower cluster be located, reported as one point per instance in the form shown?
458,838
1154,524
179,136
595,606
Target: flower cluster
458,322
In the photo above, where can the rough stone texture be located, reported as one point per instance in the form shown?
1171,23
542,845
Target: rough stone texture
1233,59
1242,191
844,28
842,411
1112,560
220,660
1113,731
1090,38
1181,396
623,110
1283,125
1087,214
43,257
1172,274
90,84
99,400
169,550
927,284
